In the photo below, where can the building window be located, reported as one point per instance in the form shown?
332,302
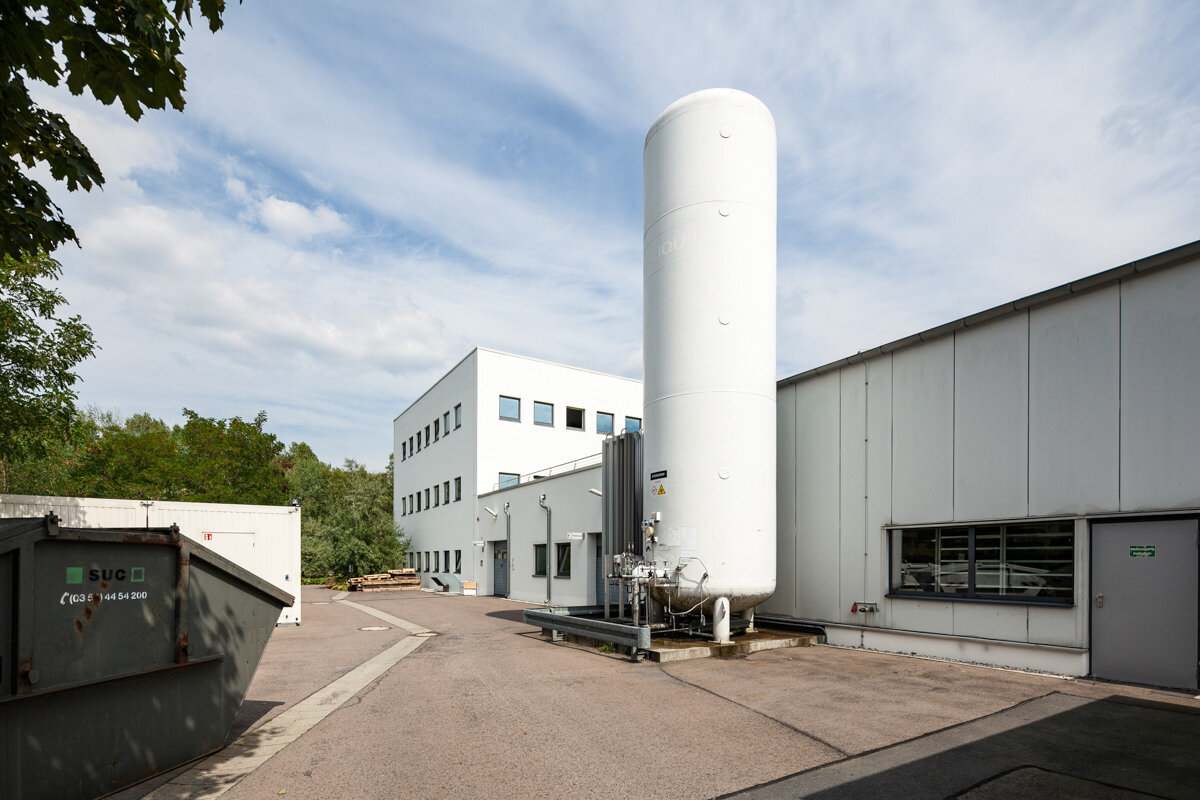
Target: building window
458,561
418,442
539,561
427,561
446,492
633,424
457,489
574,419
427,499
543,413
508,479
510,408
1017,562
418,501
403,506
604,422
458,416
437,429
437,564
427,436
446,559
404,451
437,495
446,423
562,560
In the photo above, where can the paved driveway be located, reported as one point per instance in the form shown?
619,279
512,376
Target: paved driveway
489,708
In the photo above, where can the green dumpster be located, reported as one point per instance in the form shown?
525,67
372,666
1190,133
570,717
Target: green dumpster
128,653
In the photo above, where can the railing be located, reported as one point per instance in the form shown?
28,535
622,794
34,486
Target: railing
549,472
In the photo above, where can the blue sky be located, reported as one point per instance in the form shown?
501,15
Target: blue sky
359,193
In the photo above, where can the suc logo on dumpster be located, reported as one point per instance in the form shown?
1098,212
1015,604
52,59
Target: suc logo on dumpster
133,574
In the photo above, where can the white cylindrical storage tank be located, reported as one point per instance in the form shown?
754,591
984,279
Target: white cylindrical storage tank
709,348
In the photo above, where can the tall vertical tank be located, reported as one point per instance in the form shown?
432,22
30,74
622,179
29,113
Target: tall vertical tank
709,350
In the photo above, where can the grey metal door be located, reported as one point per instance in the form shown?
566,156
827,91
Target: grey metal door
1144,600
599,575
500,570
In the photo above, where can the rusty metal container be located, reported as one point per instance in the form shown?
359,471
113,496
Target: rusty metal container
126,652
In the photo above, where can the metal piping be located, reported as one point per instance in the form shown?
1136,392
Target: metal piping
549,579
508,550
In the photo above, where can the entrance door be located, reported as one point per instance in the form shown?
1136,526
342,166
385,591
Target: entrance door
1145,623
500,569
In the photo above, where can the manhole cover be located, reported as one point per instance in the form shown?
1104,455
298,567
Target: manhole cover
374,628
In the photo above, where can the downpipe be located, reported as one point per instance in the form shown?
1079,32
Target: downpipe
549,579
508,549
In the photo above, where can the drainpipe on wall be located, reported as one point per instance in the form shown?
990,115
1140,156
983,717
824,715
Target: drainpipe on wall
508,547
542,503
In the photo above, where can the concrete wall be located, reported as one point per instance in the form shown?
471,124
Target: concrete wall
1084,406
573,510
263,539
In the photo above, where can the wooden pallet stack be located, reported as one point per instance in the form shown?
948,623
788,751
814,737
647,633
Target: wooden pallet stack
392,580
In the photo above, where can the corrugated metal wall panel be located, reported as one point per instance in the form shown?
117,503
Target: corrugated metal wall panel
923,432
818,534
1074,404
1160,389
991,404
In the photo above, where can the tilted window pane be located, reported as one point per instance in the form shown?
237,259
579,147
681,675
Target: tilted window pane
508,479
604,422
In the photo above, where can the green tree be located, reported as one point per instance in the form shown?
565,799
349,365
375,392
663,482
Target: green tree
38,352
230,461
126,50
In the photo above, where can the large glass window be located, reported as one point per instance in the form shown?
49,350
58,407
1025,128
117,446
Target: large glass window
543,413
510,408
458,416
539,561
633,424
508,479
604,422
1028,561
562,560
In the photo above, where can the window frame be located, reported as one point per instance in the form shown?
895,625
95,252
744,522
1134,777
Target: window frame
458,562
457,416
582,419
427,436
427,506
971,595
437,562
612,422
418,501
638,429
437,429
445,492
516,480
545,562
437,495
559,549
457,489
517,418
543,404
404,451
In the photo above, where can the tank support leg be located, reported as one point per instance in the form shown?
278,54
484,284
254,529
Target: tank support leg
721,621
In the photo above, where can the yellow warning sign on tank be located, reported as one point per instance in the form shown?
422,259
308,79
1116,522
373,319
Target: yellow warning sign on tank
662,490
657,488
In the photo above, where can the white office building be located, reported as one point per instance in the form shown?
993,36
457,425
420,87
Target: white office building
494,420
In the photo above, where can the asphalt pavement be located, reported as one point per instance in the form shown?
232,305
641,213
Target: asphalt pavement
489,707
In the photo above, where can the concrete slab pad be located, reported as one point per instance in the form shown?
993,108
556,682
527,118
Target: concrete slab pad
666,650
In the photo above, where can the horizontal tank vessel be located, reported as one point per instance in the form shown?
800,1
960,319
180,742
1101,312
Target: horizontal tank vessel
709,350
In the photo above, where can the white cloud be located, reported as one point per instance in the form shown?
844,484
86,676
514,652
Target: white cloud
291,220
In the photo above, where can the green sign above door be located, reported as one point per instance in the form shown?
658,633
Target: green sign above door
1141,551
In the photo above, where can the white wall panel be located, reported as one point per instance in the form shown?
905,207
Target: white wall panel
991,370
879,473
991,621
927,616
818,536
1160,390
923,432
1074,404
853,489
785,601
